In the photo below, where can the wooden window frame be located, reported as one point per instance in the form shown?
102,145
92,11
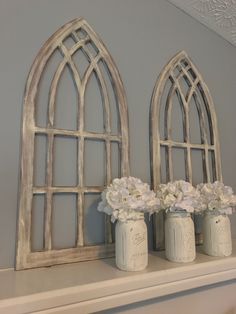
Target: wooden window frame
185,67
25,257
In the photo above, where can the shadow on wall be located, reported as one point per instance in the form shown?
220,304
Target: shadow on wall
231,311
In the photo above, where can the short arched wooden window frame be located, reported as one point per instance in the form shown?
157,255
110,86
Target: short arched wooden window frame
187,85
81,34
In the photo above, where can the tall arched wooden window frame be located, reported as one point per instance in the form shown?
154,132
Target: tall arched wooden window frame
181,67
25,257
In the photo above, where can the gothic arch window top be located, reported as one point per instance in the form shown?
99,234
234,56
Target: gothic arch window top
75,52
183,118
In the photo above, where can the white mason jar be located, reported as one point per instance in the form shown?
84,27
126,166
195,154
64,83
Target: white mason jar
217,239
131,244
179,237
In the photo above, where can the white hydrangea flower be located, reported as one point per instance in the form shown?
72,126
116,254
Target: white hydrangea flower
126,198
178,195
217,196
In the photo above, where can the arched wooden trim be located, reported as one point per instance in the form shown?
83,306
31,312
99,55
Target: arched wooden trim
25,258
197,87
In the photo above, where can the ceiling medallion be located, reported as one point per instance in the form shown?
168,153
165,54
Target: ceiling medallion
224,11
218,15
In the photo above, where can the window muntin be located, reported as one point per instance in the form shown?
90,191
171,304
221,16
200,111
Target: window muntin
76,36
175,148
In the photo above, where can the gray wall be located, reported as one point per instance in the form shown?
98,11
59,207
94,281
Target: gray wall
141,36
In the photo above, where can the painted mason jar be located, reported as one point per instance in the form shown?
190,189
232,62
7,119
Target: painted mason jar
217,239
179,237
131,244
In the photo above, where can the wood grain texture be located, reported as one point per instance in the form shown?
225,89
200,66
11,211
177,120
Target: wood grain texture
180,68
25,257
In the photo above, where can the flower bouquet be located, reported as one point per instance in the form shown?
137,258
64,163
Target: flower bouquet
178,196
126,200
216,197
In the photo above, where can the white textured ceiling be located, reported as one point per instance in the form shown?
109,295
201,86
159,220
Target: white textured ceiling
218,15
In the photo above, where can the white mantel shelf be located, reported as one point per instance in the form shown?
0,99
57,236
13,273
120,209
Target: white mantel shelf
97,285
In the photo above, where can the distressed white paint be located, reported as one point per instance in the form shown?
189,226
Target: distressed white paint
179,237
131,245
180,68
217,234
25,257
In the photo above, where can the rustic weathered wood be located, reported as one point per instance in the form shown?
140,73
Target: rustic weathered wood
25,257
197,90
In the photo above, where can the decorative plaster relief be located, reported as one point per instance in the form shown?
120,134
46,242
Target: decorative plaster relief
218,15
